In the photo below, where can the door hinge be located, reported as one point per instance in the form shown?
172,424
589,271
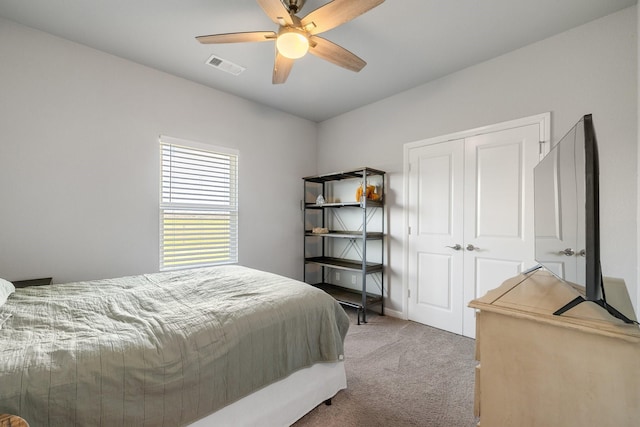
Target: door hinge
409,231
408,293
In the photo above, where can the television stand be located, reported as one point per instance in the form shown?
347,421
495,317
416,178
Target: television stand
602,303
537,369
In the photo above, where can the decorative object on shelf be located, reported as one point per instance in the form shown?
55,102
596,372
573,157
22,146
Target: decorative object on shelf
320,200
319,230
8,420
371,193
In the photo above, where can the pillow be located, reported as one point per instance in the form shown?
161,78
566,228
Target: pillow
6,289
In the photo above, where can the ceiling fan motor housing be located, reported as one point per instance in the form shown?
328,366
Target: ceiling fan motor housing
294,6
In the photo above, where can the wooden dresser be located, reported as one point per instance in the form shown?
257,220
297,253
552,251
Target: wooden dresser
580,369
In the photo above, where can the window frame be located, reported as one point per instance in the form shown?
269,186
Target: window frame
209,209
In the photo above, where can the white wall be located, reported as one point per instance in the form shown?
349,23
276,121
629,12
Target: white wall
79,158
79,161
590,69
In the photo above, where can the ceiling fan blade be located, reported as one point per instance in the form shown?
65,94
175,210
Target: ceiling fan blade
281,68
253,36
323,48
276,11
335,13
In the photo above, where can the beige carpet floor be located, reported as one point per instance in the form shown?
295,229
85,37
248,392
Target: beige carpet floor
402,373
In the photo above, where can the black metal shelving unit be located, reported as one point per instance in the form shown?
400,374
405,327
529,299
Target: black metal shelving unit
370,273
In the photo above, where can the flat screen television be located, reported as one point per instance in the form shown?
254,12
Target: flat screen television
567,214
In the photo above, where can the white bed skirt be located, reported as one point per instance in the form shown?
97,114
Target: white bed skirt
284,402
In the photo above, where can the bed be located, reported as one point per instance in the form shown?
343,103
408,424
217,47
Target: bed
224,345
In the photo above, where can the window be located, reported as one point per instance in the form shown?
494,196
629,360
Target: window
198,205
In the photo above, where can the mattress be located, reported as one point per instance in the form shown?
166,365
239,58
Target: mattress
159,349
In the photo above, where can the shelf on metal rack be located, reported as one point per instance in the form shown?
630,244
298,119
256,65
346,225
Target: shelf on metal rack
341,234
344,264
370,204
337,176
350,297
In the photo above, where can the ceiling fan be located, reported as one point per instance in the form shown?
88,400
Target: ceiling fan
297,36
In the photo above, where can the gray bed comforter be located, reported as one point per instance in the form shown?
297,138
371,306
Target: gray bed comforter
160,349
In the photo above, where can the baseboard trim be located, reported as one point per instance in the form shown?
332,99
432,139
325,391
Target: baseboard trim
394,313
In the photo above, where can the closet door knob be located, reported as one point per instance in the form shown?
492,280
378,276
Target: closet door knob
456,247
470,247
568,252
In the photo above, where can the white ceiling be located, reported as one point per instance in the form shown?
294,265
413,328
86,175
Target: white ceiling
405,42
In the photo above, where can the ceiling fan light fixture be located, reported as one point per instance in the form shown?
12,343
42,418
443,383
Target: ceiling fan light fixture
297,36
292,43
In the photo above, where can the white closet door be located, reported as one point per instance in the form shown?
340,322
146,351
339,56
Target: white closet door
475,192
498,210
436,223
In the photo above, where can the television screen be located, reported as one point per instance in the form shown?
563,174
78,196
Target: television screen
560,202
567,214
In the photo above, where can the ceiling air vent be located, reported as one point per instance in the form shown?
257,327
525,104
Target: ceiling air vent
224,65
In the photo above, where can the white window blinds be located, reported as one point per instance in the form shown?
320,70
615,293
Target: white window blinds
199,205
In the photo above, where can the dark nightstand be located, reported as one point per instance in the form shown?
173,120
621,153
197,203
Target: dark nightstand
32,282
